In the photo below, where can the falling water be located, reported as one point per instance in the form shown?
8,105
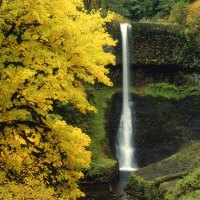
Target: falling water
124,142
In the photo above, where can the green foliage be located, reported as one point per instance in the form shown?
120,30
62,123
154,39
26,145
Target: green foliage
163,90
122,7
171,91
194,195
164,7
178,14
102,170
147,190
188,188
152,10
142,9
91,5
193,19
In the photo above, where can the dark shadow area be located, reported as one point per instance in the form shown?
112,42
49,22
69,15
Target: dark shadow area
108,191
162,126
144,74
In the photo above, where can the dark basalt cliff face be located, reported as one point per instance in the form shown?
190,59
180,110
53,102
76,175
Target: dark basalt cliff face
162,126
157,44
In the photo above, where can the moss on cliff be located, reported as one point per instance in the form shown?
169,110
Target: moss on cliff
169,91
158,44
163,44
103,167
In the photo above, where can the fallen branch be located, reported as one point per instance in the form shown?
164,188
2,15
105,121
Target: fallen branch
110,188
117,197
169,177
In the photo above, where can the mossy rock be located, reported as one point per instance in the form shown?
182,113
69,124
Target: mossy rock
185,160
103,168
157,44
162,177
187,188
145,190
102,171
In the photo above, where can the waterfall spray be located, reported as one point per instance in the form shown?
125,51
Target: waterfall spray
125,137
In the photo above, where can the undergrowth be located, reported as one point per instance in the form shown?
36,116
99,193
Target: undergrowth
169,91
187,188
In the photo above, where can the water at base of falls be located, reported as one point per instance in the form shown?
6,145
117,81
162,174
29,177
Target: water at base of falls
102,191
128,169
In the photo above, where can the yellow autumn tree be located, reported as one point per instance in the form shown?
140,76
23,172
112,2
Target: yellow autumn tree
48,50
193,18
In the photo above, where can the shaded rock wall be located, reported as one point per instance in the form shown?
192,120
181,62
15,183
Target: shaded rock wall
141,76
162,126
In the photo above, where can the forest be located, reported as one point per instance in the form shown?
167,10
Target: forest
56,74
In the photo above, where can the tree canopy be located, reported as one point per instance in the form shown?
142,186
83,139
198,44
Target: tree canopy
49,50
193,18
147,9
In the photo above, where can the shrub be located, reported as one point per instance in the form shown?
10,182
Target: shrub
187,188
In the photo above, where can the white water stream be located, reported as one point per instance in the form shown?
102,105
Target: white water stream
125,150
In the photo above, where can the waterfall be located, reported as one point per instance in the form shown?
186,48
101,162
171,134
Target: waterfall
125,150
